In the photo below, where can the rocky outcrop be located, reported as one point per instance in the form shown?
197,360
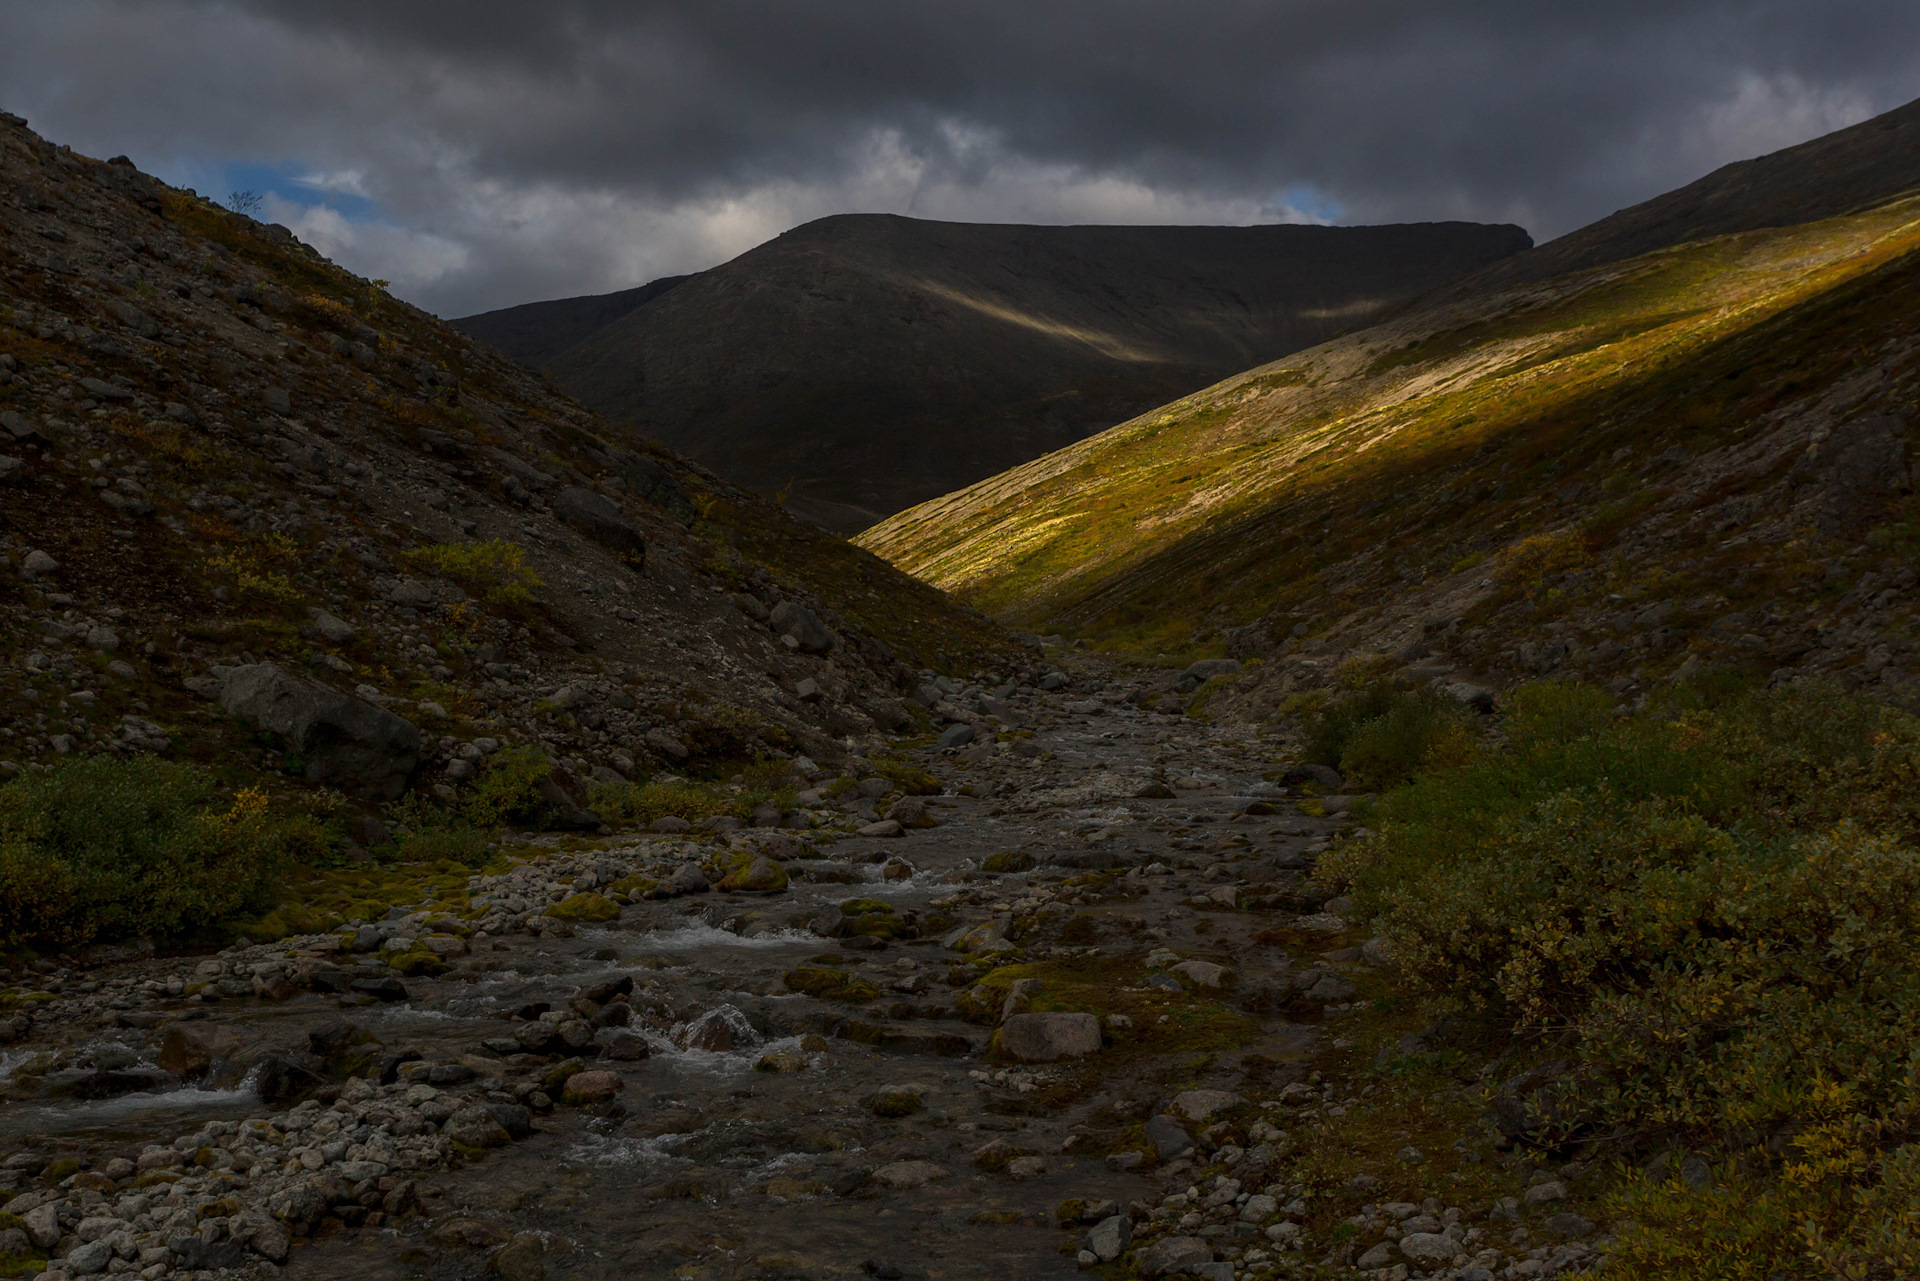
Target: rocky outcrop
599,518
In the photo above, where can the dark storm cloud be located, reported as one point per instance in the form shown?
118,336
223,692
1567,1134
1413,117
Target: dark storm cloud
527,149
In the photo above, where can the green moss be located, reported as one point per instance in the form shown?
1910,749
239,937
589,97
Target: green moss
586,907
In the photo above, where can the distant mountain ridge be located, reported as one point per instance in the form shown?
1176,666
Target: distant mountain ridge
862,363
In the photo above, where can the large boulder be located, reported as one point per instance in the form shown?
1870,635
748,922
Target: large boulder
802,626
599,518
1044,1038
344,741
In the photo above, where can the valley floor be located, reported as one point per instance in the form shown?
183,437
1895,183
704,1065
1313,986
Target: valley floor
810,1106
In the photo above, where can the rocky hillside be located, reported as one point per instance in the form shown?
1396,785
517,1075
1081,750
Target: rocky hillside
256,512
859,364
1697,455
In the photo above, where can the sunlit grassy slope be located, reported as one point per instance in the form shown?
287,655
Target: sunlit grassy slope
1411,450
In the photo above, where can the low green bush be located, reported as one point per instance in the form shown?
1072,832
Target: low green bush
1716,905
1379,736
97,849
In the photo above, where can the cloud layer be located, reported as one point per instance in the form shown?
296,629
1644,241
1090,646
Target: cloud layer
480,154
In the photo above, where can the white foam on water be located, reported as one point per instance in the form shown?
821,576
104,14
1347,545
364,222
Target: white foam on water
715,1063
186,1098
654,1153
699,936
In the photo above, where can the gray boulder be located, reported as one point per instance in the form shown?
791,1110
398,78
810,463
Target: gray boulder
1174,1255
801,625
345,741
955,736
1110,1237
599,518
1044,1038
1208,668
1168,1136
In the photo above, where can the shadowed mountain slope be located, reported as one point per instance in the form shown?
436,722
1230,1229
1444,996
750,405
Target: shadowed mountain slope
219,450
536,332
1700,451
865,362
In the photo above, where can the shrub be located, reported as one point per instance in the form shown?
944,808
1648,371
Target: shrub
495,570
509,791
1380,737
1716,906
99,848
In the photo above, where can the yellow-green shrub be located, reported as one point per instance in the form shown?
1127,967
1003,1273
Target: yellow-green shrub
495,570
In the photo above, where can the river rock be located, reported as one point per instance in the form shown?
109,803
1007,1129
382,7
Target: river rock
1168,1136
1046,1038
593,1087
191,1049
344,741
759,876
1199,1105
901,1175
1110,1237
1173,1255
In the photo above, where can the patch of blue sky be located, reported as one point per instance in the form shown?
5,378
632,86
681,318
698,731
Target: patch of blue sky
1308,202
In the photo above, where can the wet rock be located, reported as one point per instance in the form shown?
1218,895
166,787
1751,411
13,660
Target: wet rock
896,869
1172,1256
1155,792
756,876
895,1101
521,1259
191,1049
286,1078
1008,861
474,1126
344,741
911,811
782,1061
719,1030
1323,776
626,1047
690,879
1046,1038
381,989
463,1232
592,1087
904,1175
885,827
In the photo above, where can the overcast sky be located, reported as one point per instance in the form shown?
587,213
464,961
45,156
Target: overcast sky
481,154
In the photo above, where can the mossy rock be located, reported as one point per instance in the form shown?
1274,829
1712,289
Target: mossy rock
587,907
829,984
416,963
862,906
634,886
58,1169
757,876
1009,861
22,1265
878,926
